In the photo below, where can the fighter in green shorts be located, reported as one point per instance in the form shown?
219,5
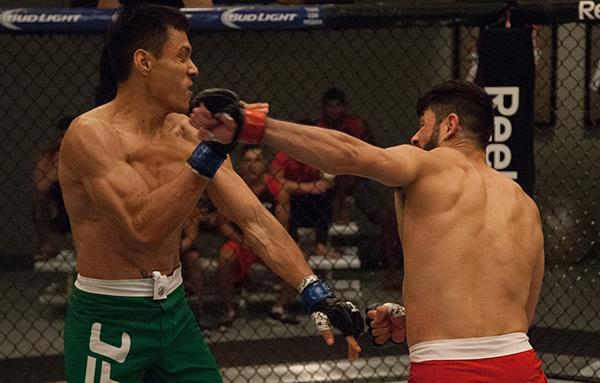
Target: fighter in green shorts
117,332
131,171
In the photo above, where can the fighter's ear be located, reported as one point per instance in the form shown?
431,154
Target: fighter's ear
142,61
450,126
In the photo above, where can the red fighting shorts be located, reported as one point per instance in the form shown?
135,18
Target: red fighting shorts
246,258
475,360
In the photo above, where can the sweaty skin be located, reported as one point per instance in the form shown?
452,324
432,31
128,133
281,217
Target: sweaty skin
472,239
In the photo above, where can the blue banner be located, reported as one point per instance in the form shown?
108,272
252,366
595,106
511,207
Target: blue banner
28,20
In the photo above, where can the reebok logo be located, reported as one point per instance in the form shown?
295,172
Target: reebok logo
589,10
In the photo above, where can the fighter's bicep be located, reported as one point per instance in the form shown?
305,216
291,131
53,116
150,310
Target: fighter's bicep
94,159
116,190
396,166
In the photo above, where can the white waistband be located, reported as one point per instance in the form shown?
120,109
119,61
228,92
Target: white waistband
159,286
470,348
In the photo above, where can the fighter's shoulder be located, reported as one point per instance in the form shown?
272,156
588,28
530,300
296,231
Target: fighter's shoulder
527,201
90,134
90,126
510,187
428,159
420,161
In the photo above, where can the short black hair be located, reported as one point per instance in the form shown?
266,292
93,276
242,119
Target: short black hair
248,147
140,27
334,94
471,103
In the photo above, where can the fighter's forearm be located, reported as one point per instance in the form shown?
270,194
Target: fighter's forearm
269,239
326,149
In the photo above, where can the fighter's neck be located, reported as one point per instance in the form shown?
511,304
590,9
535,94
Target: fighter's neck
140,111
469,149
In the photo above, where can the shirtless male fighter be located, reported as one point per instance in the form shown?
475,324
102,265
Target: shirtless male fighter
131,173
472,239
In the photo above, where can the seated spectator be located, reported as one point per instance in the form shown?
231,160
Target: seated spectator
371,199
311,201
235,258
203,218
48,210
335,116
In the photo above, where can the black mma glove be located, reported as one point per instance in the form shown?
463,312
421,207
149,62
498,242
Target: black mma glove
326,309
250,126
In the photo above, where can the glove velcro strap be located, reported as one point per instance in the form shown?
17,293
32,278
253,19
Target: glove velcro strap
206,160
314,293
253,130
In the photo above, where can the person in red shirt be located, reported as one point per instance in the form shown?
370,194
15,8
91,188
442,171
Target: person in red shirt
335,116
235,257
311,201
363,191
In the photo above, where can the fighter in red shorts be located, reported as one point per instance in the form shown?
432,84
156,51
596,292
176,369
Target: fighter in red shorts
472,238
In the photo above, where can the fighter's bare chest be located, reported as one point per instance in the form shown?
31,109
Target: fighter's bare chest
158,161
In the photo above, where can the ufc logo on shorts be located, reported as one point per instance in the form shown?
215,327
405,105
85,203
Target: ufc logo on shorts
118,354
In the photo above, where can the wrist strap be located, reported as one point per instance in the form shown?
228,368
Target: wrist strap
206,160
314,293
253,130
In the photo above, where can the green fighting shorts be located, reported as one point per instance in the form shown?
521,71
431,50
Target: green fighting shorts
134,331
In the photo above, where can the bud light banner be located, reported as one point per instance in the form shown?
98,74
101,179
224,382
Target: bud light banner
269,17
506,72
54,19
29,20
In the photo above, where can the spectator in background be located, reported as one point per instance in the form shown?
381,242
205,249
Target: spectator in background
48,210
311,201
335,116
371,199
204,218
235,257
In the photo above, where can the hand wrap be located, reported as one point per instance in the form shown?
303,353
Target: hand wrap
396,311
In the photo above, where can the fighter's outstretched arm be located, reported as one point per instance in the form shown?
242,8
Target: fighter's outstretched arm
262,231
269,239
92,155
329,150
336,153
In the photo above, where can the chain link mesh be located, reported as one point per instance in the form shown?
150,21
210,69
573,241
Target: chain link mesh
382,71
